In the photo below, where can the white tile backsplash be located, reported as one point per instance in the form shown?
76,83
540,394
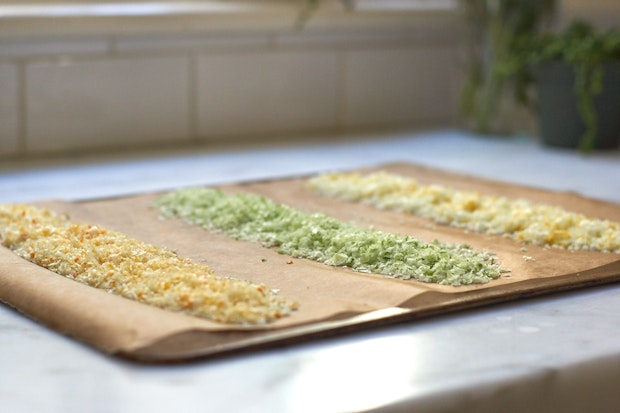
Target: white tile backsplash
9,101
89,82
189,43
345,38
399,86
267,92
37,47
104,103
122,89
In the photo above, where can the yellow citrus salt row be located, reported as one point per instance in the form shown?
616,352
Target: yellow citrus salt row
130,268
518,218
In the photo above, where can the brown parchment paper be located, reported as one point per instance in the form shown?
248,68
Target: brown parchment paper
331,299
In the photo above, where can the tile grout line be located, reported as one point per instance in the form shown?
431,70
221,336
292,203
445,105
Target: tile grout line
341,90
22,112
192,97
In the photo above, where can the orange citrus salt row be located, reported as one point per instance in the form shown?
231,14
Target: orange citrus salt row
133,269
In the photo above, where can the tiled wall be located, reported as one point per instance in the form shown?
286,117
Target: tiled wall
65,94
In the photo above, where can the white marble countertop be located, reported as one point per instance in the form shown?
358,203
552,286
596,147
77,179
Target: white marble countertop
557,353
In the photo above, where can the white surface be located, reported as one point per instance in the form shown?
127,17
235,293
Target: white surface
554,354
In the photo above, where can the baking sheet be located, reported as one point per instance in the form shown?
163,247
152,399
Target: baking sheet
332,300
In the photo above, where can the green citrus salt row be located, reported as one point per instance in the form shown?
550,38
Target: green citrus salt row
322,238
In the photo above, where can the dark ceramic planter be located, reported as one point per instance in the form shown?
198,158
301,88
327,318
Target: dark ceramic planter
560,124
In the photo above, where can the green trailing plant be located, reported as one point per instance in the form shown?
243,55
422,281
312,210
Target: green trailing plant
310,7
583,48
495,28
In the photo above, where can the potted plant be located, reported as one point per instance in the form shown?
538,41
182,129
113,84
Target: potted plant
574,76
